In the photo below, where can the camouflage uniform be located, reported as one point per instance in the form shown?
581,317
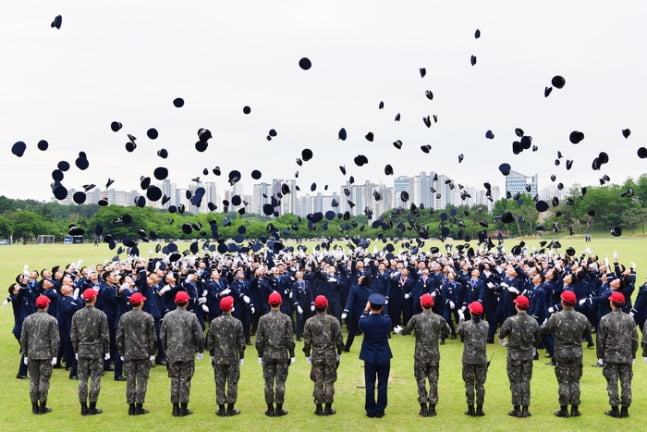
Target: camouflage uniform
323,341
428,327
569,327
181,338
226,344
523,335
474,358
617,343
91,341
275,344
136,342
39,341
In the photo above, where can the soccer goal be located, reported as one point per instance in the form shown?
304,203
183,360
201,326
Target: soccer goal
44,239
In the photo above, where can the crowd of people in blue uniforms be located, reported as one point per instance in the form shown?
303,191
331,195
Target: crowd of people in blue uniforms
346,278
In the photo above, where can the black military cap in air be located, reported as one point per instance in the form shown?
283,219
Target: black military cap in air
305,63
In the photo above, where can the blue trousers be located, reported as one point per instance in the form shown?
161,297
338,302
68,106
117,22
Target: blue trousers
376,372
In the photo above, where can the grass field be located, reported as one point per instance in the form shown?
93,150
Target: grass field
402,409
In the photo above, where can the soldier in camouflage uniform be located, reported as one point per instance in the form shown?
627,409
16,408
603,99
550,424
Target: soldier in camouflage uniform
181,338
617,343
137,343
226,344
522,333
475,364
39,343
322,345
91,342
428,327
569,327
275,347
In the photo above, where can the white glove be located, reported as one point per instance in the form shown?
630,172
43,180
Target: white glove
407,296
299,310
545,321
121,358
25,360
292,360
246,299
76,357
204,293
151,358
633,265
199,356
461,315
582,302
503,342
205,308
202,300
260,360
309,360
600,362
463,308
166,289
344,315
6,302
452,305
397,329
75,294
338,357
54,360
632,313
106,356
240,363
615,255
551,310
312,308
225,292
513,290
212,359
490,285
252,310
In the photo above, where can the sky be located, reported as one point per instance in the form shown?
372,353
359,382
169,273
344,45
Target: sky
126,60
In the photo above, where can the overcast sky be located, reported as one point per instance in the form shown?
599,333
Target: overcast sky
126,60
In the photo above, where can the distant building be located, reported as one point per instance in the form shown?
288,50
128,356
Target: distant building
520,183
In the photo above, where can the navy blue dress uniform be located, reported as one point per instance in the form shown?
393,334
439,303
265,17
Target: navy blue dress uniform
355,305
422,285
376,355
303,302
217,288
329,284
244,308
67,306
401,297
639,309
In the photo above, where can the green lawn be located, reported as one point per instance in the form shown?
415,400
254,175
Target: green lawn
402,409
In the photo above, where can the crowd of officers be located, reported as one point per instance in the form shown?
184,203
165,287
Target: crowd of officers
123,316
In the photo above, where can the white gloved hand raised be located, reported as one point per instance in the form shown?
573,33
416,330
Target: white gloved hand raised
397,329
246,299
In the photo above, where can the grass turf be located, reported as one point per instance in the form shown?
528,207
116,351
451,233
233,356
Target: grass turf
402,409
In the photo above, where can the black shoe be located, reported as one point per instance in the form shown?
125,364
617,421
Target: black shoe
562,412
550,363
515,412
139,409
131,409
344,350
279,411
231,411
108,369
432,411
479,411
575,412
424,411
161,362
319,410
470,411
184,409
120,378
222,412
624,411
442,341
84,409
525,412
35,409
176,410
328,410
21,376
270,410
613,412
590,345
93,410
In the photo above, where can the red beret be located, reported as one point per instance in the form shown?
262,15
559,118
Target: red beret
90,294
321,301
181,297
42,301
522,301
226,303
137,298
426,301
275,299
569,297
617,297
476,308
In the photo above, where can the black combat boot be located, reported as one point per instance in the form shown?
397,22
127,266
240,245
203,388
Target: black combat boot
328,410
563,411
84,408
470,411
270,410
432,410
575,411
222,412
231,411
319,410
515,412
479,410
35,409
524,411
624,411
93,410
613,412
176,409
279,410
184,409
43,408
139,409
131,409
424,411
